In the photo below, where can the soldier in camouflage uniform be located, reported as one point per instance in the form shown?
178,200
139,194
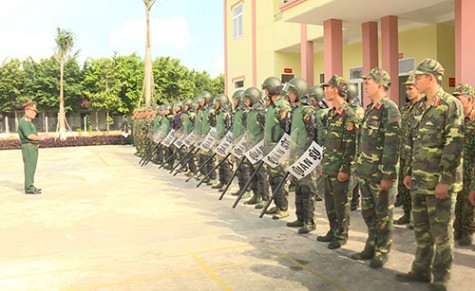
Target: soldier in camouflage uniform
205,112
377,167
434,175
464,211
407,114
302,134
338,156
277,122
156,128
222,122
165,127
255,119
239,128
187,129
177,126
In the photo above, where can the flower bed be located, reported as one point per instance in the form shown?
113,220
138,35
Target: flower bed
10,144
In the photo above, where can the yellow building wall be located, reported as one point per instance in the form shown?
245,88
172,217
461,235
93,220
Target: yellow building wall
446,52
287,60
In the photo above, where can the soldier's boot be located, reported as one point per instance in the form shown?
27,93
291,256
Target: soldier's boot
466,240
410,226
218,186
280,214
405,219
336,243
273,210
414,277
296,223
254,200
189,174
261,204
366,254
246,195
326,238
378,260
457,233
307,227
211,182
438,287
398,201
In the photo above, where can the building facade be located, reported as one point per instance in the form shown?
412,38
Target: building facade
315,39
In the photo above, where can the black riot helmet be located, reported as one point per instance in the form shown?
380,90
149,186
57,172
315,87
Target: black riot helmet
238,98
253,94
206,97
187,104
352,95
273,85
317,94
298,85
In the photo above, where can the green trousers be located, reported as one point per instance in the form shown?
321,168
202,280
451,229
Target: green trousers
30,159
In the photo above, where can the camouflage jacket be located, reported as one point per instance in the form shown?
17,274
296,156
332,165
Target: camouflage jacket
435,144
468,148
340,144
378,152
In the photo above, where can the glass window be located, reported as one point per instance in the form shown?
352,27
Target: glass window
237,21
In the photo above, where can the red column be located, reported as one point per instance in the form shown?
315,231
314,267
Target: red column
370,49
464,41
333,47
390,53
306,55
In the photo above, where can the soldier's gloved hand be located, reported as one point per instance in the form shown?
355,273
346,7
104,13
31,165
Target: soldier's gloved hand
386,184
471,197
442,191
407,182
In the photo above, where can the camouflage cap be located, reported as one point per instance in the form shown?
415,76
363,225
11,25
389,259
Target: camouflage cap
379,75
338,82
464,89
410,80
430,67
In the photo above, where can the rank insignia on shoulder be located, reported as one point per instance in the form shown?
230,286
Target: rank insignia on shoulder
436,102
349,126
379,106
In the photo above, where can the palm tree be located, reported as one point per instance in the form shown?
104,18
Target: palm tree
64,43
148,83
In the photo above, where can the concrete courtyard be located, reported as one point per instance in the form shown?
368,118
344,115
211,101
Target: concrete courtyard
105,223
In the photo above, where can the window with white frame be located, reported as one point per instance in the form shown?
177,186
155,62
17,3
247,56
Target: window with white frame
237,21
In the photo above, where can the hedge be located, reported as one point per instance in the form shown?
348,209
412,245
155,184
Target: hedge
10,144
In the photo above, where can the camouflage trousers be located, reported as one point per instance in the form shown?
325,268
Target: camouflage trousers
276,175
169,156
432,228
192,160
337,205
224,171
377,209
402,191
305,191
159,154
243,175
464,215
259,183
207,164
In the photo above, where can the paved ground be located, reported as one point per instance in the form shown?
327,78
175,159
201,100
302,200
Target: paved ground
105,223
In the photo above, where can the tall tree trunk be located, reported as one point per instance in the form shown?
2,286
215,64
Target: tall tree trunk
7,125
97,121
149,86
62,116
107,121
16,120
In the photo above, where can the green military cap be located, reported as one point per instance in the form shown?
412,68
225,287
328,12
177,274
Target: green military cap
30,106
410,80
430,67
464,89
379,75
338,82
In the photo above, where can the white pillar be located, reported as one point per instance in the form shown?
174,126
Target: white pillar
46,123
7,125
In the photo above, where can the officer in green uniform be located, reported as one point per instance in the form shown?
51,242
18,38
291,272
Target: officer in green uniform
302,134
377,167
277,122
30,141
317,95
238,129
165,127
407,113
255,119
221,120
338,156
197,134
353,100
464,211
434,175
